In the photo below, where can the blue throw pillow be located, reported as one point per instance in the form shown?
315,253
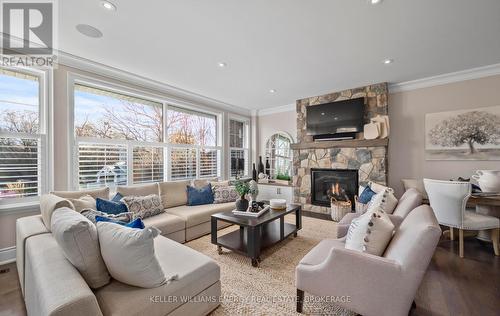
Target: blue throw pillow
136,223
117,197
366,195
200,196
110,207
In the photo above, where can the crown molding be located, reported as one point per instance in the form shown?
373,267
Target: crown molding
463,75
84,64
277,109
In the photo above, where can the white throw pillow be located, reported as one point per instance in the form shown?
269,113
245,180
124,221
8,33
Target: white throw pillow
385,200
129,254
370,233
377,188
77,237
83,202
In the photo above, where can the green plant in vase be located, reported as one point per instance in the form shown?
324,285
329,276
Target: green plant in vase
242,188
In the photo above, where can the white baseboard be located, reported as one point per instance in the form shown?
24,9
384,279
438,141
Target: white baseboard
7,255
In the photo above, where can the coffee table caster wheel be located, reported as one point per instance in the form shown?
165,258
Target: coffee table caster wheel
294,234
219,250
255,262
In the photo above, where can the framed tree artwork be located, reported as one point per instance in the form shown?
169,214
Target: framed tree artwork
463,135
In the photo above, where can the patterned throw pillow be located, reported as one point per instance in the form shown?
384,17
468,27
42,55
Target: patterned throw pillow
110,206
224,194
122,217
136,223
144,206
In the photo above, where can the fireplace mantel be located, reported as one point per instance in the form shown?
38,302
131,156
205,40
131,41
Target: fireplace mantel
342,144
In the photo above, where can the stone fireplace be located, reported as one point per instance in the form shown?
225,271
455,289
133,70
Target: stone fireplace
368,158
340,184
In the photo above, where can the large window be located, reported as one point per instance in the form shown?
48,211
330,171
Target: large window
193,144
23,137
122,139
119,138
238,147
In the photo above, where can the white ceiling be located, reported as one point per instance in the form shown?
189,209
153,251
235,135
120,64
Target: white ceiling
300,48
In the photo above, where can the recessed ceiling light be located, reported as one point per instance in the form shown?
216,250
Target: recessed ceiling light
88,30
272,91
108,5
375,1
222,64
388,61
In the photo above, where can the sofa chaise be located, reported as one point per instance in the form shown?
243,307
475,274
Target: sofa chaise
51,285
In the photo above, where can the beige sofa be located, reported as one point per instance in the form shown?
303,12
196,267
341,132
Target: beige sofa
52,286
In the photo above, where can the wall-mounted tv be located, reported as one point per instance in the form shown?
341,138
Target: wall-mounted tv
341,117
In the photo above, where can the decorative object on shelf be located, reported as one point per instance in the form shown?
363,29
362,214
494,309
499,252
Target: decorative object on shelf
254,173
371,130
339,209
242,188
278,204
463,134
282,179
263,178
268,168
383,123
261,165
254,190
489,180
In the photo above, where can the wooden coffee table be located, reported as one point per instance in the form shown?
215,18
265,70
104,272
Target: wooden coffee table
256,234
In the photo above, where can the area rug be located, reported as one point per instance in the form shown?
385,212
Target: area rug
270,288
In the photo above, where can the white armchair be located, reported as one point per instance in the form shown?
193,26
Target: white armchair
448,199
373,285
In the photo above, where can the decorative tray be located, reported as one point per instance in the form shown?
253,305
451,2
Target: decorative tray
248,213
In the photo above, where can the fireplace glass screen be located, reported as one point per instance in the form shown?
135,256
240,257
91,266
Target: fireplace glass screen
338,184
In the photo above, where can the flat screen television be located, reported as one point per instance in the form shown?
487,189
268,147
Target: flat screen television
336,118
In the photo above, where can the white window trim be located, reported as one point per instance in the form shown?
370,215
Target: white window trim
45,135
246,143
74,78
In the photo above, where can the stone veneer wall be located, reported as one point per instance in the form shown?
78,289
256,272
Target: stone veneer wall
370,161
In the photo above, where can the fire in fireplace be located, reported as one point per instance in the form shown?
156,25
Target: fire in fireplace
339,184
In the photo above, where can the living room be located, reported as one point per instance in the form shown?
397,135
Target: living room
268,158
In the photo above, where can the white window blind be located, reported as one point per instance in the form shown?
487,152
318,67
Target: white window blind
147,164
209,163
101,165
23,145
19,167
182,163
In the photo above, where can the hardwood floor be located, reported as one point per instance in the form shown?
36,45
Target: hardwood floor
11,299
451,286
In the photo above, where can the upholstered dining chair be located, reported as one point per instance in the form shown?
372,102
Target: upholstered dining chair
448,200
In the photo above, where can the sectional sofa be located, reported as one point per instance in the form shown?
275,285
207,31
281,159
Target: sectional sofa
52,286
